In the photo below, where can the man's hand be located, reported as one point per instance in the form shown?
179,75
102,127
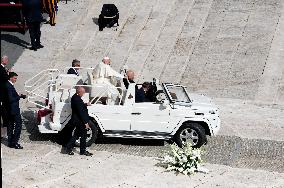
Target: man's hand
87,126
88,104
23,96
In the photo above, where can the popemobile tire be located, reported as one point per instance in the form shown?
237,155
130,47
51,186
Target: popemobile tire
92,134
192,132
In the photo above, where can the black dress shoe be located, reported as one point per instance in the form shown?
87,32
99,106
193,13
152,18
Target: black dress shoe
11,145
18,146
33,48
70,152
86,153
39,46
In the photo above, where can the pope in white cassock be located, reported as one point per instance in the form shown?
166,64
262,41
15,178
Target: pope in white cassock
106,78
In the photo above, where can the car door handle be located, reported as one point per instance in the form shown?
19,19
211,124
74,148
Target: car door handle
137,113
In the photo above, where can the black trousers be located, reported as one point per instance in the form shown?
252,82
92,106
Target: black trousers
14,129
3,115
81,132
35,33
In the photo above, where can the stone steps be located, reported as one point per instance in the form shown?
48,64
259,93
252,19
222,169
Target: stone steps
162,49
217,47
175,67
99,43
204,51
271,87
127,38
55,39
85,31
230,56
149,35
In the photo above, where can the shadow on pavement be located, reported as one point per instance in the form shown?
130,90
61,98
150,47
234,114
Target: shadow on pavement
13,39
130,141
96,20
30,123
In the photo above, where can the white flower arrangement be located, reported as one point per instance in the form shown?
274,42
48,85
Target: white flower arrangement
186,160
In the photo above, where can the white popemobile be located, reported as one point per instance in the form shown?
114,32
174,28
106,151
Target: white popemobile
173,115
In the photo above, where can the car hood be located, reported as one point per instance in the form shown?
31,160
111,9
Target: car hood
200,99
198,103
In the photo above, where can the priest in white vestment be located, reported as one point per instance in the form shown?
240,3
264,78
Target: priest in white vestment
105,77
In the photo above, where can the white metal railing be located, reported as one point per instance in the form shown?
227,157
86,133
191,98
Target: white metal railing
67,68
39,83
35,79
47,83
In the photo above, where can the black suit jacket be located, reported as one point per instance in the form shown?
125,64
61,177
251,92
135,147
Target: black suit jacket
140,95
13,100
126,82
72,71
3,79
79,111
32,10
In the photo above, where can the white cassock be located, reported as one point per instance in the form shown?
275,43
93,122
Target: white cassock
106,78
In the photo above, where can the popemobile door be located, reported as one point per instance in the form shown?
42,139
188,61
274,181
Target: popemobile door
150,117
112,117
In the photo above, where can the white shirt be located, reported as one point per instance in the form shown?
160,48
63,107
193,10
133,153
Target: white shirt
10,82
76,71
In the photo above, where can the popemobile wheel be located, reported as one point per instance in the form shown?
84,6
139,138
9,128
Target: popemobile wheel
193,133
92,134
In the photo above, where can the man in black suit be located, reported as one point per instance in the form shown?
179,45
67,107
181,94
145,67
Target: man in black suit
73,69
32,13
140,94
4,77
15,121
79,118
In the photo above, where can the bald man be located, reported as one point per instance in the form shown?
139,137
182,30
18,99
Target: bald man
129,78
80,120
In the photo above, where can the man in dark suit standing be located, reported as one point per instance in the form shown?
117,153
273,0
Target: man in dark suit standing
15,121
79,118
140,94
73,69
4,77
32,13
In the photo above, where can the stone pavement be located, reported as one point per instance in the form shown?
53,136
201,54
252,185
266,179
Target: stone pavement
44,166
230,50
